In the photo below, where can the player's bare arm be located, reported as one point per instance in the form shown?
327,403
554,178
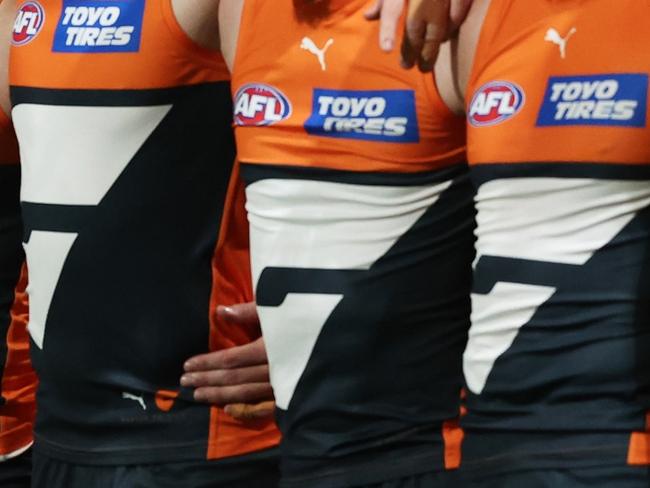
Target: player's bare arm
199,20
229,19
6,22
454,64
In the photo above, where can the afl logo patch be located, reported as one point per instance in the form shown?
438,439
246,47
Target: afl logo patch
29,22
257,104
495,102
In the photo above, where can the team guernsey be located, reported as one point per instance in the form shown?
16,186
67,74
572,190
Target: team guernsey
17,379
126,147
557,364
361,223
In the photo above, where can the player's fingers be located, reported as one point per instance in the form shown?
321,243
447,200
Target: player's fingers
251,354
226,395
374,11
226,377
412,43
241,313
242,411
391,13
430,48
458,13
427,26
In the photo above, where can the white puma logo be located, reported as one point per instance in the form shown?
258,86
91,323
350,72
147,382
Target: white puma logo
554,36
308,45
135,398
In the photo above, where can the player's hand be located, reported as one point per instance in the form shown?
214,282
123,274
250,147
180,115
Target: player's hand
429,23
235,378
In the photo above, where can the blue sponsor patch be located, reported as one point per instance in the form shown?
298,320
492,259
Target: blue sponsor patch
99,26
605,100
376,115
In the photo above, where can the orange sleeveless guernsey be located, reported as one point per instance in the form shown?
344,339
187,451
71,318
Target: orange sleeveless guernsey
127,148
394,122
361,222
557,364
17,379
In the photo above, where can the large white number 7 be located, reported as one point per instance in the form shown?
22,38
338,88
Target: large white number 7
547,222
71,156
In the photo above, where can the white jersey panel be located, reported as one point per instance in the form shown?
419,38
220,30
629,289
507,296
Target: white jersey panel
548,220
559,220
105,140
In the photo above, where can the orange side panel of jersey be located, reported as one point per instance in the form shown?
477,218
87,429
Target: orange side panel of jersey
8,142
232,276
19,380
324,95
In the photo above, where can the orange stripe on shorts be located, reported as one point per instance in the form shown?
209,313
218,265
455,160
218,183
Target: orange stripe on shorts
639,451
452,435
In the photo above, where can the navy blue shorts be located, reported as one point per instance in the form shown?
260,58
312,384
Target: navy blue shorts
258,470
597,477
16,472
445,479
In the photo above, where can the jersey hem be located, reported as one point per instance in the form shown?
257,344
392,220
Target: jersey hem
130,456
154,454
16,453
269,439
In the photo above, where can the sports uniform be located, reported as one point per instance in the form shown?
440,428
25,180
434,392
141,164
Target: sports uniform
361,243
557,364
126,146
17,379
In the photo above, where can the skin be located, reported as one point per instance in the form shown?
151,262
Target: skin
199,19
429,23
237,378
6,24
454,66
230,13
